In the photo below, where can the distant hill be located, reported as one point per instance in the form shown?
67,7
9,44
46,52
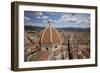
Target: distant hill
36,28
75,29
33,28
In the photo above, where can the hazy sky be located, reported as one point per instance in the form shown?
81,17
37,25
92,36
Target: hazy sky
59,19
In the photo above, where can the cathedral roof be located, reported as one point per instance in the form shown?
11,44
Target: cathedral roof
50,35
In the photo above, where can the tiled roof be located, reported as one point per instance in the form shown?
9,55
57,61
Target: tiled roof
43,56
49,35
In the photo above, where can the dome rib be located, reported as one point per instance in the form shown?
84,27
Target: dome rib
49,36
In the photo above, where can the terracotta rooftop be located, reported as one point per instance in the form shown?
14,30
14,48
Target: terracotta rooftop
43,56
49,35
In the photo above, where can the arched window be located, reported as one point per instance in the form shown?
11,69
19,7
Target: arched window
55,46
46,48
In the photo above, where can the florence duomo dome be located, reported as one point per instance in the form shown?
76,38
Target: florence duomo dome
50,40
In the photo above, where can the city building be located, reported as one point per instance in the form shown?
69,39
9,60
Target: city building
50,42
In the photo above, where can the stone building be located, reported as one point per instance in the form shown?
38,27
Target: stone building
50,41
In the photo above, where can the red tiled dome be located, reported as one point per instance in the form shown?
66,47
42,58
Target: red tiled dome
50,35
